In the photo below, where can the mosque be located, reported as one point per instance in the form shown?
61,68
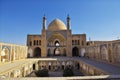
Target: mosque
56,40
57,47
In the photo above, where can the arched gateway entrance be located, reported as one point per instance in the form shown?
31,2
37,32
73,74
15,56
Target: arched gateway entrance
5,55
56,44
37,52
75,51
56,52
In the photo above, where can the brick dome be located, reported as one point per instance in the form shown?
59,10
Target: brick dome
56,24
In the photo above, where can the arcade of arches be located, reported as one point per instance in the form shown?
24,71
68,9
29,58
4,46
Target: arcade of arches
56,45
37,52
11,52
57,40
75,51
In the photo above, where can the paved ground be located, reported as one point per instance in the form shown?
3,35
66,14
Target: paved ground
4,67
60,73
77,72
104,66
55,74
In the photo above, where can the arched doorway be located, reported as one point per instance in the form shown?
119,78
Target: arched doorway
63,65
12,75
77,66
64,52
82,52
56,52
30,53
49,52
34,66
104,53
49,65
56,43
117,54
75,51
5,55
37,52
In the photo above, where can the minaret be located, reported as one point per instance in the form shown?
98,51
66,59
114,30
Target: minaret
69,38
43,39
44,22
68,22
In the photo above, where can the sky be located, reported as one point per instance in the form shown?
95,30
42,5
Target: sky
98,19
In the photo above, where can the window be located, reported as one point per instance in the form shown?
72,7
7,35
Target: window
82,42
39,42
57,43
34,42
87,43
30,43
78,42
75,42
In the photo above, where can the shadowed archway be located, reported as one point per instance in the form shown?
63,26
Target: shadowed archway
5,54
104,53
82,52
37,52
49,53
56,52
75,51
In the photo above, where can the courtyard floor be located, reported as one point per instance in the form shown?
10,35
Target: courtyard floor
60,73
4,67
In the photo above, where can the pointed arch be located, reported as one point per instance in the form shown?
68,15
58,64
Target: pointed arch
117,53
64,52
56,43
57,52
82,52
75,51
37,52
104,53
49,52
30,53
5,54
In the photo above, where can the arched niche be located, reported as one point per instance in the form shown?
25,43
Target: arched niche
82,52
75,51
49,52
5,55
37,52
56,39
117,53
30,53
104,53
57,52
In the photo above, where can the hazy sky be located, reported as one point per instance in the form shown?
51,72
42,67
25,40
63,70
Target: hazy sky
99,19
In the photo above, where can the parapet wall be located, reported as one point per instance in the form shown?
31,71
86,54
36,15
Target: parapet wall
12,52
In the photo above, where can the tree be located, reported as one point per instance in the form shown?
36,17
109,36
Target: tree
68,72
42,73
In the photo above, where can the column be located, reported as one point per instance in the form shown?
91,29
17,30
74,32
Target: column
11,53
36,66
24,72
51,65
0,51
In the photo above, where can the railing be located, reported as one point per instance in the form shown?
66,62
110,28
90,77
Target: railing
101,77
